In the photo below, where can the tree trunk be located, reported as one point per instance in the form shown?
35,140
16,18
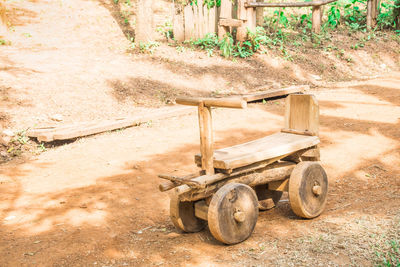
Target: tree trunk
396,14
3,23
144,32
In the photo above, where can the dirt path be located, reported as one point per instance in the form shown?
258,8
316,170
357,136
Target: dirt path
95,201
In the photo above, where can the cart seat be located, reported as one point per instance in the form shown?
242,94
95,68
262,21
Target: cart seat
272,146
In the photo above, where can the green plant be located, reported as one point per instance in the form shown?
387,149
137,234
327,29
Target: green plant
226,46
148,47
208,43
390,257
166,30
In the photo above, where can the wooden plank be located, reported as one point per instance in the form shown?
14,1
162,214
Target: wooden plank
226,9
212,23
316,19
213,102
251,19
274,93
200,18
260,15
201,210
231,22
205,20
189,22
70,132
289,4
206,139
165,186
178,23
269,147
279,185
302,114
196,20
241,13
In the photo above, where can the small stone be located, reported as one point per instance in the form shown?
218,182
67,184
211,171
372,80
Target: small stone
8,132
173,235
315,77
5,140
56,117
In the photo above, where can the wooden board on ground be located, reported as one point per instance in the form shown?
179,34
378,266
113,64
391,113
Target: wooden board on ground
274,93
65,132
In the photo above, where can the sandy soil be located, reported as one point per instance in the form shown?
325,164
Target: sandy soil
95,201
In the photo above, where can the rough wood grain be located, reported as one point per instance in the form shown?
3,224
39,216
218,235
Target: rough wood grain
289,4
302,113
316,19
182,215
231,22
65,132
264,93
213,102
275,172
206,139
308,188
189,22
233,213
226,9
269,147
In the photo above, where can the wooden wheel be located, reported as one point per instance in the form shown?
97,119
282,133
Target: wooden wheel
267,199
308,188
182,215
233,212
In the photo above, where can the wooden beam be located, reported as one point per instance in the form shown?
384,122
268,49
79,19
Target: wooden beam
316,19
206,139
231,22
213,102
273,93
290,4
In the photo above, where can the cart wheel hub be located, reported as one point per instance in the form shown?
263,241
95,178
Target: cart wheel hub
239,216
317,190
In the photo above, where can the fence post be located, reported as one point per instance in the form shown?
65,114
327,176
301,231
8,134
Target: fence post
144,31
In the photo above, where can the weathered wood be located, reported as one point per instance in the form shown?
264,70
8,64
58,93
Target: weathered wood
178,24
180,180
201,210
308,188
233,213
290,4
269,147
241,12
316,19
213,102
144,31
212,20
200,18
205,20
260,15
302,113
251,19
189,22
182,214
165,186
71,131
279,185
196,20
226,9
293,131
274,172
267,199
264,93
231,22
206,139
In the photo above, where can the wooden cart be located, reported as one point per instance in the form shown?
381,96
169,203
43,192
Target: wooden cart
235,182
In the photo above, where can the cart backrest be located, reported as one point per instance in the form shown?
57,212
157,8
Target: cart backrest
302,114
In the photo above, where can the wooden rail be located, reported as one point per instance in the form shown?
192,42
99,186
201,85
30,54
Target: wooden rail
316,9
292,4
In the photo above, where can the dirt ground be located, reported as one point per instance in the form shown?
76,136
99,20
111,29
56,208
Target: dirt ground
95,201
